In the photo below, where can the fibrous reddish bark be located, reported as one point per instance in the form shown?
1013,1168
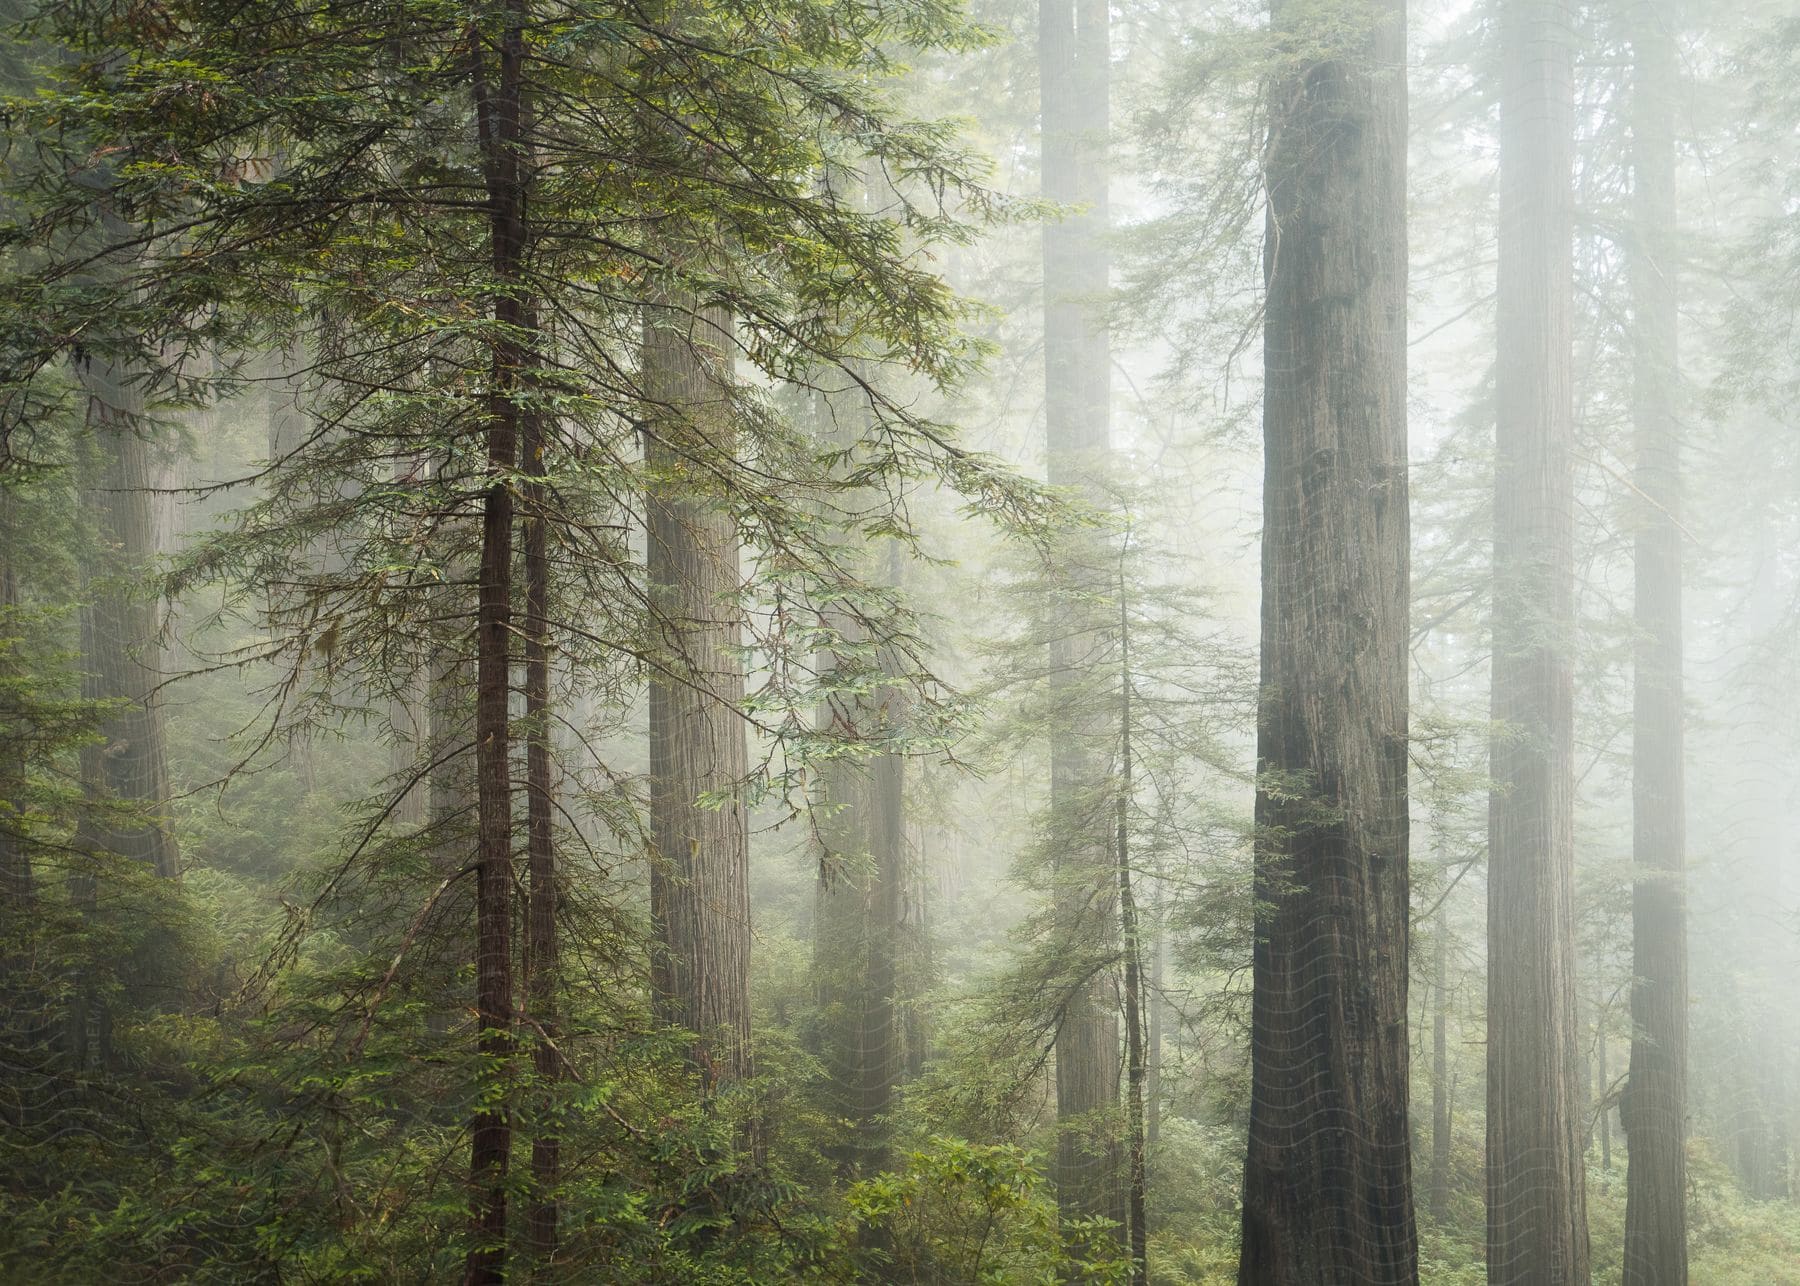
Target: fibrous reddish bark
1327,1177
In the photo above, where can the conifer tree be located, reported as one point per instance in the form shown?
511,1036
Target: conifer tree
1327,1180
1537,1222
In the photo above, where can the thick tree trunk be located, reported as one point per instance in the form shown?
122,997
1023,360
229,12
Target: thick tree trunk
499,111
861,901
120,628
1654,1107
700,872
1075,81
1327,1177
1537,1215
857,923
859,915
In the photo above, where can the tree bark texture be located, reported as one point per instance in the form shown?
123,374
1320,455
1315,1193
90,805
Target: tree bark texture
700,871
1074,72
1537,1216
1327,1177
1654,1106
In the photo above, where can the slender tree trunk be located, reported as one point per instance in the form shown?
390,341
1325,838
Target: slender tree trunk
409,714
700,873
499,114
17,888
1537,1214
1075,83
1327,1176
1605,1074
1153,1060
1136,1222
541,948
1440,1067
1654,1107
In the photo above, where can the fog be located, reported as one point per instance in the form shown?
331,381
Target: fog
900,642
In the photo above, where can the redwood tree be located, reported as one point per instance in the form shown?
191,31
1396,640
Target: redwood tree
1074,76
700,868
1654,1104
1537,1216
1327,1179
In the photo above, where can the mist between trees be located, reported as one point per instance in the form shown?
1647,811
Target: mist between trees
900,642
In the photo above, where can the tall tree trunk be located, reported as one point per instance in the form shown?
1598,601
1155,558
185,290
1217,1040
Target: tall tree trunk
700,872
1074,72
120,626
858,925
541,953
1440,1067
1153,1054
1603,1068
499,109
1327,1177
1537,1211
1654,1106
17,886
1136,1221
860,931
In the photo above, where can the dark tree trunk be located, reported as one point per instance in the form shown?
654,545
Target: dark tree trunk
17,887
1440,1067
1537,1216
700,872
499,113
1327,1178
1654,1106
1075,84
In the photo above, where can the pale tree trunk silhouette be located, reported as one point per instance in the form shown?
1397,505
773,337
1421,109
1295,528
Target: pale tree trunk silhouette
1136,1222
120,625
1653,1108
1440,1066
1075,84
1153,1053
862,893
1327,1175
1537,1216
